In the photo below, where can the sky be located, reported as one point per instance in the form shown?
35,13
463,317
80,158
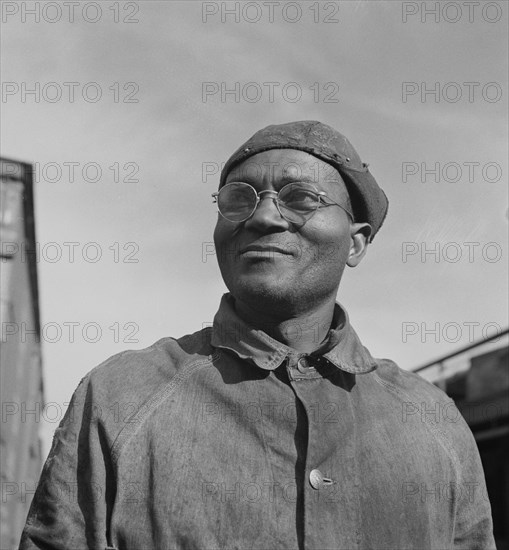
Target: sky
135,105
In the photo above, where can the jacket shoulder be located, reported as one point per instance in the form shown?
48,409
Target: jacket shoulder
132,375
423,402
118,395
408,382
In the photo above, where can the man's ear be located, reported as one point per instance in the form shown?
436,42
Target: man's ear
359,239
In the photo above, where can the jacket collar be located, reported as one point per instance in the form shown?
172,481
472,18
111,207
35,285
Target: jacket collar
341,348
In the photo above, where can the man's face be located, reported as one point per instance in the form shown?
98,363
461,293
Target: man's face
267,261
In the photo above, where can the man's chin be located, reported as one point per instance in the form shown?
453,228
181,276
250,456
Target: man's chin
265,292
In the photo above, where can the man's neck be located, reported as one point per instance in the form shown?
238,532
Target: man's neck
303,331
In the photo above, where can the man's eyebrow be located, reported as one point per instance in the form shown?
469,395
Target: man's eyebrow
297,176
309,178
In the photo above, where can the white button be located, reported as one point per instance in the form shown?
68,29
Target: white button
316,479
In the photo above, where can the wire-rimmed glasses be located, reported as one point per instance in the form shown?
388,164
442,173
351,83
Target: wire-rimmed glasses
296,202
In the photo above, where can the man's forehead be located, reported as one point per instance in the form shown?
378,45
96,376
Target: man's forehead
285,164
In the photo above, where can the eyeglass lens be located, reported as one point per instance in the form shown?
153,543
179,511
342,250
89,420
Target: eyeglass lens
236,201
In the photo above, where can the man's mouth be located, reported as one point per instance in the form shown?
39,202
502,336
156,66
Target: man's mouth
266,250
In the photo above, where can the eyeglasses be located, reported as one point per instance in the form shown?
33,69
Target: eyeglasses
296,202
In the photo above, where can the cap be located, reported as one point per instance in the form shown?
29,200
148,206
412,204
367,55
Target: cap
369,202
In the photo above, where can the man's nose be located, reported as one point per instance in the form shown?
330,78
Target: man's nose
267,214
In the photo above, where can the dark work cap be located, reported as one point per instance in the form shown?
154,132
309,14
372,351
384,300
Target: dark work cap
368,200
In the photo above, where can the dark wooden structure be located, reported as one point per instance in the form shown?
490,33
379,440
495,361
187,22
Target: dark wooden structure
21,387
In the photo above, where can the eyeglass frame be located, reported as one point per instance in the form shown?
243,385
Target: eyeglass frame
319,194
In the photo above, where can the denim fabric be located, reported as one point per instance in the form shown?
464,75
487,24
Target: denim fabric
229,439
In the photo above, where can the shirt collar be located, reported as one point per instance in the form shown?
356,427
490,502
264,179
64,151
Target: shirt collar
342,346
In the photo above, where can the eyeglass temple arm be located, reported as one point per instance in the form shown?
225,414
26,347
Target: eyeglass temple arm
322,194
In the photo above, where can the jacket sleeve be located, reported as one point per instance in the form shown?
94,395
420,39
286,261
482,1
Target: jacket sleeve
72,503
474,525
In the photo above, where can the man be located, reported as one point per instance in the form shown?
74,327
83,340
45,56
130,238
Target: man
275,428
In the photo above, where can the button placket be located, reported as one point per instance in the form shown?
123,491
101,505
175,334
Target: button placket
327,481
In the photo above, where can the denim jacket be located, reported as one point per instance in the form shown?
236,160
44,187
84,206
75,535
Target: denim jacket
228,439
